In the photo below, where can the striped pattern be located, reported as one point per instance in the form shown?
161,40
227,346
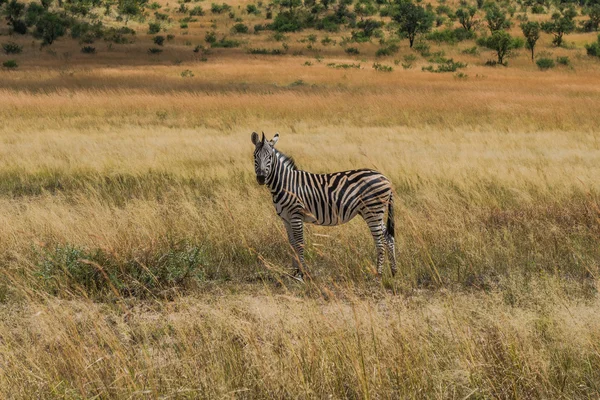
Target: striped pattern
325,199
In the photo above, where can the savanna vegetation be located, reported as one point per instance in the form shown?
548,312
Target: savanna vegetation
140,259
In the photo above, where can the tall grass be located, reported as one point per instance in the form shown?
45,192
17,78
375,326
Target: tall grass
139,259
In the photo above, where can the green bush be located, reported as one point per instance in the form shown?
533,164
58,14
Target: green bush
210,37
225,43
88,50
239,28
10,64
545,63
451,36
49,27
219,9
445,65
12,48
352,51
382,68
273,52
563,60
538,9
474,51
387,50
252,9
196,12
158,40
101,274
593,49
422,48
153,28
154,50
117,35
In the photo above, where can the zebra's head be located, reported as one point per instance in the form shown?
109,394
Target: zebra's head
263,153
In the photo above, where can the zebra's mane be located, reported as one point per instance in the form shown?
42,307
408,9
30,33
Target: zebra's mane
289,161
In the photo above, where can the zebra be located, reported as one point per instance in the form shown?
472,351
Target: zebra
325,199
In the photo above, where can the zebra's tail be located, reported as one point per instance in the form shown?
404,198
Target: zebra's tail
389,227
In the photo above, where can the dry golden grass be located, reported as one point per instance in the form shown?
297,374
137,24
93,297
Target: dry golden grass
139,259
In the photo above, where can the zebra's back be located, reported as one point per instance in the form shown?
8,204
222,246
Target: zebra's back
336,198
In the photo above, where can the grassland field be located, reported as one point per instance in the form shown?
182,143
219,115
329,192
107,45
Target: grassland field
139,259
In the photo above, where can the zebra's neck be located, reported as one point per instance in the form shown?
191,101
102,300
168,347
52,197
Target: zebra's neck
281,165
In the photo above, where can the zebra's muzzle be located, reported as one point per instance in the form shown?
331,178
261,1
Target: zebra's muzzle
260,179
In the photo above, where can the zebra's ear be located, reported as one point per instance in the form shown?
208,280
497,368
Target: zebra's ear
254,138
275,139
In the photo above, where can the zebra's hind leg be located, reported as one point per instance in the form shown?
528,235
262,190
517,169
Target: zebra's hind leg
295,232
374,220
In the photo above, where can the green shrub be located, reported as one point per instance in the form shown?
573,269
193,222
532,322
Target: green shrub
100,273
252,9
382,68
219,9
563,60
387,50
158,40
88,50
154,50
445,65
210,37
545,63
474,51
239,28
225,43
196,12
153,28
593,49
538,9
117,35
343,66
422,48
12,48
49,27
161,16
183,25
352,50
273,52
10,64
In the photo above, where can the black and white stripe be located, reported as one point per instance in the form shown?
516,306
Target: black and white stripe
325,199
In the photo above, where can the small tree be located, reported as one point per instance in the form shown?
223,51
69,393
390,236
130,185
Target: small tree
413,19
531,30
594,13
502,43
50,27
562,23
496,18
129,9
13,13
466,17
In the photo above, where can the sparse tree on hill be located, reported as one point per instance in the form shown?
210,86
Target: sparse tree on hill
466,17
562,23
49,27
594,13
496,18
502,43
531,31
413,19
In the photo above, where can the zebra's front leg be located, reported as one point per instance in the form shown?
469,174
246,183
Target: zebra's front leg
295,232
